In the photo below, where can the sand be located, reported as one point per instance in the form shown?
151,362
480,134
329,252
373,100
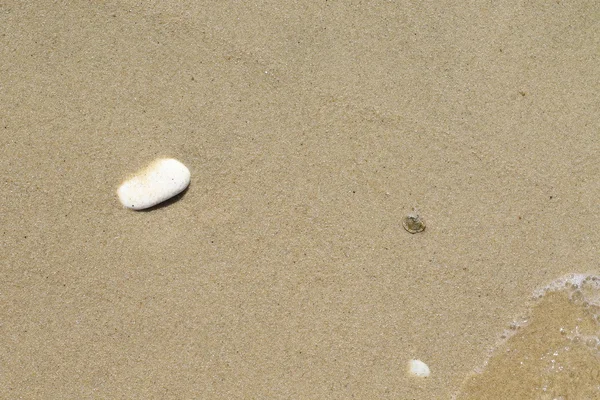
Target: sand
311,129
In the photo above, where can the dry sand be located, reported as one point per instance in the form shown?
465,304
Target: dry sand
311,129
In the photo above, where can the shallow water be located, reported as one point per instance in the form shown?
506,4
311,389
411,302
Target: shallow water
551,353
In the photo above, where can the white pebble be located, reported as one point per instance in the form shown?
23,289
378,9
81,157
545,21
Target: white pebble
418,368
160,181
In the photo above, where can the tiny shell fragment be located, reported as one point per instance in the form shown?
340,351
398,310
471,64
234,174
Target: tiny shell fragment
418,368
413,223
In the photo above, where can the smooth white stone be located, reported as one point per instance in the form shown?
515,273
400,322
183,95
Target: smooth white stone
418,368
160,181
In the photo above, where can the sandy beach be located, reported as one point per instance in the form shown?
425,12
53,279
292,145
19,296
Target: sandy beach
311,130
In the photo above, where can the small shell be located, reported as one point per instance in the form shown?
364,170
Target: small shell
418,368
413,223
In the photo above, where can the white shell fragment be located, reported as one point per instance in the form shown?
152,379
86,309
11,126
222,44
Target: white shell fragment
418,368
160,181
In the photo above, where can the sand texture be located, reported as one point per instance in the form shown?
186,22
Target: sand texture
311,130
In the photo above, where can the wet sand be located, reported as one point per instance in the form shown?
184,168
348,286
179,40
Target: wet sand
310,130
552,352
